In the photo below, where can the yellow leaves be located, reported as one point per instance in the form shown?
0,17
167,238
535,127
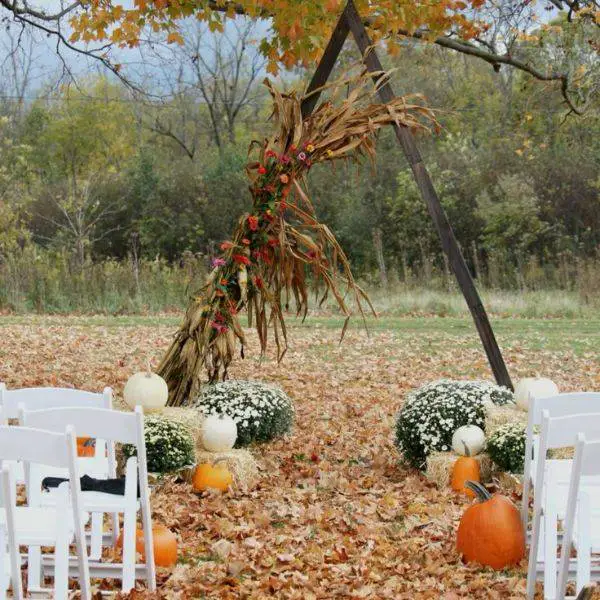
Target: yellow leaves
174,38
299,29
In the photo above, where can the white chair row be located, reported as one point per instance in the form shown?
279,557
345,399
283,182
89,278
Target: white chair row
52,410
565,420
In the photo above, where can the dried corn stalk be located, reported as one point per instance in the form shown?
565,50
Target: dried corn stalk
280,247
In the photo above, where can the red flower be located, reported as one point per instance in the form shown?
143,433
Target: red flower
273,242
285,159
261,170
223,281
253,222
282,205
270,154
220,328
241,259
308,162
293,148
227,245
246,241
258,282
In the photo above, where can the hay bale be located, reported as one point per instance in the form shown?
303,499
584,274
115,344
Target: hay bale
439,467
509,482
241,463
496,416
192,418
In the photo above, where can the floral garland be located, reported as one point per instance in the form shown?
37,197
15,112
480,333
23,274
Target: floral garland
280,247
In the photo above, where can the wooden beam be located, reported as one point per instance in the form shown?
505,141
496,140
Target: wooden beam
325,66
440,220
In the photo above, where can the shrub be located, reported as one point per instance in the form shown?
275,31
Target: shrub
169,445
262,412
435,411
506,447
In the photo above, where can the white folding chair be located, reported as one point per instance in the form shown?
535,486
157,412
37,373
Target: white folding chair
56,526
560,405
120,427
584,506
101,464
550,498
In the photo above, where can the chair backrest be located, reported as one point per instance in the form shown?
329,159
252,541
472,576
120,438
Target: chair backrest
49,397
111,425
562,432
562,405
37,445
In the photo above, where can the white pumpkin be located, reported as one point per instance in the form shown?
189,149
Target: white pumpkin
468,440
536,387
219,433
147,390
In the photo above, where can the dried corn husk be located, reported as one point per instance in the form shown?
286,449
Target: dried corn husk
280,246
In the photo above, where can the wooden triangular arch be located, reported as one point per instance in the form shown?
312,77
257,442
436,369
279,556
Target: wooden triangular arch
350,22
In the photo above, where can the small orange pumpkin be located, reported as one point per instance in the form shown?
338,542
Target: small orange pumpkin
164,542
212,476
466,468
490,532
86,446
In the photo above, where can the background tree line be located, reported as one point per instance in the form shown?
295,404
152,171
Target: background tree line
103,190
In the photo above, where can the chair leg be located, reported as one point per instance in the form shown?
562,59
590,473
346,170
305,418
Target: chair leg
34,568
584,542
550,549
533,555
61,565
96,536
129,550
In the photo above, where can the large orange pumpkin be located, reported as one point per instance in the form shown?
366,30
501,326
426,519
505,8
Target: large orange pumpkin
490,532
164,543
216,477
466,468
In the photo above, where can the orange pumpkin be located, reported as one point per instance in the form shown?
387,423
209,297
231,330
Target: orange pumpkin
164,543
490,532
466,468
86,446
216,477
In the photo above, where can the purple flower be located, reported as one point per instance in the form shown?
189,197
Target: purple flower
218,262
302,156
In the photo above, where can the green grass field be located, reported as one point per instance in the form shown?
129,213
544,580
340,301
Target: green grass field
550,334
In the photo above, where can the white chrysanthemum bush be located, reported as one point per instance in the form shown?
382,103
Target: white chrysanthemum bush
169,445
261,411
432,413
506,447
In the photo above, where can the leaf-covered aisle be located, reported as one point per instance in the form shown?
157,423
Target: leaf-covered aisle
334,515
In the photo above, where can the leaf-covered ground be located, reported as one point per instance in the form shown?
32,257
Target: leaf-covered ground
335,515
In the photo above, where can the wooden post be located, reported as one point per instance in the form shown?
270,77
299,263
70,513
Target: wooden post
350,21
325,66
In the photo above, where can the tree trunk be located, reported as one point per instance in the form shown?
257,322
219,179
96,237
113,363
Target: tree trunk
378,244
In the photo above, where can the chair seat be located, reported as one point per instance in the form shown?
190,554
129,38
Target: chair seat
93,501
